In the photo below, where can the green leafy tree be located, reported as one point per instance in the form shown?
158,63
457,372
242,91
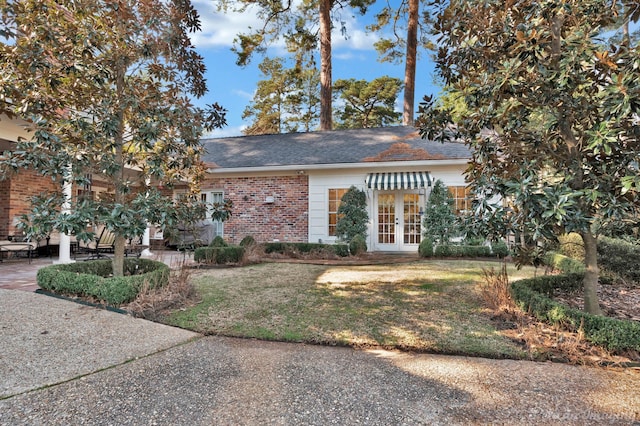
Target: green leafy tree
367,104
439,223
552,115
409,31
106,86
305,27
284,101
352,215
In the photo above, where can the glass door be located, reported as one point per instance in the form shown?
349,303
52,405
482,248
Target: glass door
398,223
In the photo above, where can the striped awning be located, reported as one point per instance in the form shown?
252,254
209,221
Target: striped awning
398,180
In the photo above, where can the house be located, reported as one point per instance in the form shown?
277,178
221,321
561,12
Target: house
287,187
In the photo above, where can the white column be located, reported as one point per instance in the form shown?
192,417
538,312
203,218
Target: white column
64,254
145,242
145,236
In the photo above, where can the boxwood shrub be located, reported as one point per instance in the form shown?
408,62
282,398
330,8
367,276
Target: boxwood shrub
619,257
533,295
425,249
219,255
341,250
93,278
446,250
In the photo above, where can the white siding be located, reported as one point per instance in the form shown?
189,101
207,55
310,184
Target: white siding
321,181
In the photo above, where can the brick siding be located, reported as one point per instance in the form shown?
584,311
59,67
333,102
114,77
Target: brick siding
286,219
14,198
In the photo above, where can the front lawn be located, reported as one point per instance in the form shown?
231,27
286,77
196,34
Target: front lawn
426,306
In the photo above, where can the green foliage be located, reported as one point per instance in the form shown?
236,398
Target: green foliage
551,115
93,278
571,245
620,257
451,250
218,241
367,104
219,255
357,245
500,249
531,296
425,249
352,215
286,101
248,241
439,220
292,249
107,87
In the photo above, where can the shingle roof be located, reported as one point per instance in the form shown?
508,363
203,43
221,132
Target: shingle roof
401,143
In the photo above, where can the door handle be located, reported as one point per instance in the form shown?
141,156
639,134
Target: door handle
397,221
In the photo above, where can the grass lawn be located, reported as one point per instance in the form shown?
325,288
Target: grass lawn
427,306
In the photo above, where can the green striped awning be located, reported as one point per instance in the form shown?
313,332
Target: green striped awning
398,180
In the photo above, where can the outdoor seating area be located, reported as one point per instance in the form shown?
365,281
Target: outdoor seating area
9,249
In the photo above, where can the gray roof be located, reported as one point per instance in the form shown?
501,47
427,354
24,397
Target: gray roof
401,143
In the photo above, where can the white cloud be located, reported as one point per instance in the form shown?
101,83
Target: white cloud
244,93
220,29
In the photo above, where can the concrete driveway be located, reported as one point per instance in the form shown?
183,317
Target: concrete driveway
65,363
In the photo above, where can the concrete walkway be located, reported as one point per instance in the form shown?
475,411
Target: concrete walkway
64,363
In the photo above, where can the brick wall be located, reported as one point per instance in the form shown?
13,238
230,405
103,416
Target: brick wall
14,198
286,219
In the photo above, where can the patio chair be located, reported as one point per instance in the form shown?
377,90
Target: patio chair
103,243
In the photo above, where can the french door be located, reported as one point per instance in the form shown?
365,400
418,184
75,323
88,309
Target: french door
398,221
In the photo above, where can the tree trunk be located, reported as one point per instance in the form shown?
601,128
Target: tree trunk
592,274
119,196
326,122
410,63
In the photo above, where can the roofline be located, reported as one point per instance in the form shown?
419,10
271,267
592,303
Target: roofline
334,166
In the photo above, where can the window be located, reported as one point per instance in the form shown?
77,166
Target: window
335,195
212,198
461,198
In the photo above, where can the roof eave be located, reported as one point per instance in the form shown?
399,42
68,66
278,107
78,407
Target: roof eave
336,166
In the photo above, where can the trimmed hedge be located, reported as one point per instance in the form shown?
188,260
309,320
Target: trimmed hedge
357,245
619,257
93,279
425,249
563,263
610,333
341,250
533,295
446,250
500,249
219,255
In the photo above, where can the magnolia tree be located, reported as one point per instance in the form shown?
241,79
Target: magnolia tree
552,104
106,86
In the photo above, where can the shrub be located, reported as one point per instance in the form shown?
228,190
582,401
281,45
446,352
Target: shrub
248,241
447,250
571,245
610,333
443,250
563,263
439,218
352,215
425,249
357,245
500,249
292,249
619,257
218,241
219,255
93,279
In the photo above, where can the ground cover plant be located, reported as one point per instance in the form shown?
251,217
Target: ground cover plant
427,306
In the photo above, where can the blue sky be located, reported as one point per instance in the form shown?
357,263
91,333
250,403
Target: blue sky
233,86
